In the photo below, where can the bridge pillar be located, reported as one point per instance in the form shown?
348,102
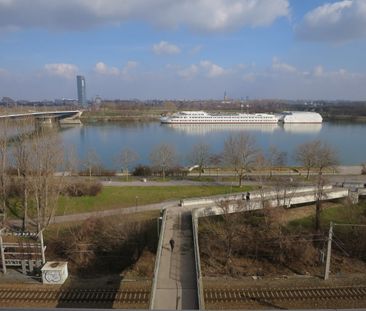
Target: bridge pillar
45,121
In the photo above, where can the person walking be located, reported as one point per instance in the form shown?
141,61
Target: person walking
171,242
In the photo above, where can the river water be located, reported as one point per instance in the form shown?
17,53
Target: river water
108,139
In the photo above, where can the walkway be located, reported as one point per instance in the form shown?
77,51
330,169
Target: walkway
176,281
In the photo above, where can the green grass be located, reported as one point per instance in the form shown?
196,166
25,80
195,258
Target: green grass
338,214
119,197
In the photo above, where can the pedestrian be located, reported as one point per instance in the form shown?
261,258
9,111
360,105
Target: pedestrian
248,196
171,242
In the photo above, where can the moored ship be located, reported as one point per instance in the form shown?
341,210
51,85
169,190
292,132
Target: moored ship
202,117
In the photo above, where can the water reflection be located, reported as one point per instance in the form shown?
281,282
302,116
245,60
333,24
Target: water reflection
203,129
297,128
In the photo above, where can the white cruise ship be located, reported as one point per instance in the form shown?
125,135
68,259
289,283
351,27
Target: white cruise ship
202,117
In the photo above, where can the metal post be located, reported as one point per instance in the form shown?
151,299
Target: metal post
329,251
42,247
2,253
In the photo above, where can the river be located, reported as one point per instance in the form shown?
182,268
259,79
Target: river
108,139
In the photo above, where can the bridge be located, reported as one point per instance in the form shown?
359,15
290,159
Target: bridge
177,280
69,116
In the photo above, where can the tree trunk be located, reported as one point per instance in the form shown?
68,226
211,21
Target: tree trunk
317,215
25,206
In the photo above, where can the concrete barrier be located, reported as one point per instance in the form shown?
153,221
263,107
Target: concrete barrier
157,260
201,300
254,195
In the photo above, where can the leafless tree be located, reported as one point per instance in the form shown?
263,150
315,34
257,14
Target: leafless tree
199,155
126,158
275,158
4,180
91,162
22,156
317,155
305,154
163,156
47,158
326,157
240,153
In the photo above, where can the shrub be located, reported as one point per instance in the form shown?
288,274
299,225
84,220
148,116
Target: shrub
363,169
79,189
142,170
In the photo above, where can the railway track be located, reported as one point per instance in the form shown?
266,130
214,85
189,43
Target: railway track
222,296
75,296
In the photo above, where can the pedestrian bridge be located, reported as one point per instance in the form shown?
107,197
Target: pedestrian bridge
177,280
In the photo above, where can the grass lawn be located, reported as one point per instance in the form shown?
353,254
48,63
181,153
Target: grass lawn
338,214
117,197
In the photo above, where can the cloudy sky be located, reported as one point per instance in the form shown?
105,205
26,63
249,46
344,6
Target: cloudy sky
183,49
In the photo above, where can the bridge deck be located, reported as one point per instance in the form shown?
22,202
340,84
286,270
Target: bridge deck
176,281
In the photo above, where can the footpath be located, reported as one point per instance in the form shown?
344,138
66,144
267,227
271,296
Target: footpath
176,281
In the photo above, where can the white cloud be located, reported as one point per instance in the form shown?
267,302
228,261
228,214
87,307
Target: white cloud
318,71
279,66
335,22
62,70
198,15
189,72
212,70
164,47
103,69
126,71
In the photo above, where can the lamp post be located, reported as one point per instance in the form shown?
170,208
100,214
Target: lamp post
136,201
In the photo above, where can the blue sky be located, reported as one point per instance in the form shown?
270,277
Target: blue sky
186,49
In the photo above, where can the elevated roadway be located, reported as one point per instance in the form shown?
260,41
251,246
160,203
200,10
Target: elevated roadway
59,115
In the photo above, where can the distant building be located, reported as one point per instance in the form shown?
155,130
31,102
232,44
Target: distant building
80,81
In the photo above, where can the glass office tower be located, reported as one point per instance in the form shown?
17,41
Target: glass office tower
80,81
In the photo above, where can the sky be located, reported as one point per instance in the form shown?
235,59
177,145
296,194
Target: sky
183,49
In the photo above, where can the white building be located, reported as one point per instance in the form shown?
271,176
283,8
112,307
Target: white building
300,117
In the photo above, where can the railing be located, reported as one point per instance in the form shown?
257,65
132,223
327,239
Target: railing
157,260
200,294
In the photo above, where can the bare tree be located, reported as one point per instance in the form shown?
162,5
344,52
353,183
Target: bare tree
326,157
240,153
163,156
199,155
305,154
317,155
126,158
4,180
91,162
275,158
22,158
47,158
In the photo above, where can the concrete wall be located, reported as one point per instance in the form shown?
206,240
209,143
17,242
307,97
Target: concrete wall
201,300
157,261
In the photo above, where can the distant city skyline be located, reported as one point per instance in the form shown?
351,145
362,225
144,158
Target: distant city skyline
194,49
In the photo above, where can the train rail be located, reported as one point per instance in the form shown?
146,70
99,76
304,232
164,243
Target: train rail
223,296
76,296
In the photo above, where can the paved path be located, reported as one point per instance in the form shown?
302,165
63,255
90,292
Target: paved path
176,282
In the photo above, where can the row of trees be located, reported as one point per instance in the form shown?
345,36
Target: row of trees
241,154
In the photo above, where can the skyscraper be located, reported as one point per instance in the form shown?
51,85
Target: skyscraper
80,81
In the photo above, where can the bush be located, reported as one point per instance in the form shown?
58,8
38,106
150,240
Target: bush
363,169
142,170
83,188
